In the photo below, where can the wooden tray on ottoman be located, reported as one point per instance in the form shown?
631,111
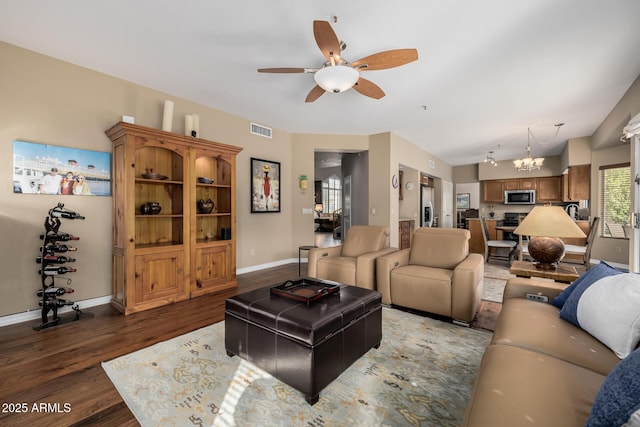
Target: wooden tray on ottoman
306,289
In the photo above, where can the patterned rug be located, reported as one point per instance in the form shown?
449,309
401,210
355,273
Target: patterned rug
495,278
421,375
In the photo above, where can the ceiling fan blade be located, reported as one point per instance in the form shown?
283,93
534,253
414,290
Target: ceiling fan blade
327,40
368,88
287,70
315,93
386,59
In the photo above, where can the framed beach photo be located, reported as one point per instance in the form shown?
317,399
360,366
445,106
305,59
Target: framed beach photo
265,186
56,170
462,200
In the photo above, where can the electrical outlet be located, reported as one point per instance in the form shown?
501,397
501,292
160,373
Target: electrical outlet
537,297
618,249
252,252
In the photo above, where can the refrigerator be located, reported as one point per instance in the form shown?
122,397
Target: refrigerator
426,206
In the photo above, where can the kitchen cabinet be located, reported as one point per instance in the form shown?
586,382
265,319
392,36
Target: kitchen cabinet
493,191
520,184
182,249
577,183
549,189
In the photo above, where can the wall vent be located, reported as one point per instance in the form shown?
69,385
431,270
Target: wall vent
260,130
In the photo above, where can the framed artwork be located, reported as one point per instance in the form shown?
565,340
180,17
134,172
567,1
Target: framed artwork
52,169
462,200
265,186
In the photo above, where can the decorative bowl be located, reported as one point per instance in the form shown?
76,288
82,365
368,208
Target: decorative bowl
153,175
205,180
205,207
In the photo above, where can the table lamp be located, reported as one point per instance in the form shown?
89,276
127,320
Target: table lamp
545,225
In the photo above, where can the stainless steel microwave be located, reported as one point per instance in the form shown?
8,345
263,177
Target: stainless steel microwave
520,197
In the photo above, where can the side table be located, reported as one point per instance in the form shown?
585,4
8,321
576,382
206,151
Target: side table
562,273
300,249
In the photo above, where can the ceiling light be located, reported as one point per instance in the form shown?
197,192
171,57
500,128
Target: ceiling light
490,159
336,78
529,163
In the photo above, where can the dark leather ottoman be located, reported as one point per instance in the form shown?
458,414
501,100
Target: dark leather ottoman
304,346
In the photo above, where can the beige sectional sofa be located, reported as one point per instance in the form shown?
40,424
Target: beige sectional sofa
539,370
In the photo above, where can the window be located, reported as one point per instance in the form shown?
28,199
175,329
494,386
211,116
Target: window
615,200
331,194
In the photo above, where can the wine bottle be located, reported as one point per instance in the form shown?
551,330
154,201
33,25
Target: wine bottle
55,303
53,259
50,249
58,237
52,270
54,291
54,213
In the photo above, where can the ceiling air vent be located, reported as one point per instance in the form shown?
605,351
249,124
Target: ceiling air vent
260,130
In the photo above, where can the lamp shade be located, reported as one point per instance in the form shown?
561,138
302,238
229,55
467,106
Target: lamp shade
337,78
549,221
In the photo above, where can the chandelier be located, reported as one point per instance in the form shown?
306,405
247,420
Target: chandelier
527,164
490,159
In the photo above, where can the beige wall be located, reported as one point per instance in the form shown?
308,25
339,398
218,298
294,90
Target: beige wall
576,152
610,130
409,206
465,173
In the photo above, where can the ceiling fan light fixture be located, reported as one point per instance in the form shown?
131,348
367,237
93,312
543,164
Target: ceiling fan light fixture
337,78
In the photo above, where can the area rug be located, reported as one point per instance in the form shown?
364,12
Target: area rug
421,375
495,278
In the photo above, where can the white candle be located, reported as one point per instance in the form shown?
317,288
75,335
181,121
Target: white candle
188,124
167,116
196,125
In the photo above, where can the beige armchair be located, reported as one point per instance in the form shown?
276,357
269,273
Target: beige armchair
437,274
353,262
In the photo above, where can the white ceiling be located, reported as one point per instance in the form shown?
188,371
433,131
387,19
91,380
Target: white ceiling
487,69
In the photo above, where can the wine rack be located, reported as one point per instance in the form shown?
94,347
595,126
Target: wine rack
53,260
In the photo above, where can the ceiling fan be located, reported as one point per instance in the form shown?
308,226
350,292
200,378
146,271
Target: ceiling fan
337,74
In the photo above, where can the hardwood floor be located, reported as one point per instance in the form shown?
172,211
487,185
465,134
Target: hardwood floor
60,367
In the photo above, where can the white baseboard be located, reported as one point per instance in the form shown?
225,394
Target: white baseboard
36,314
259,267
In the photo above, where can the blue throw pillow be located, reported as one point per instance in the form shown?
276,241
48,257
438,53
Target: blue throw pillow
596,273
618,400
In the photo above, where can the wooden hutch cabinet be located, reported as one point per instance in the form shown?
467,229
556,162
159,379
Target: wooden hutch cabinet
180,252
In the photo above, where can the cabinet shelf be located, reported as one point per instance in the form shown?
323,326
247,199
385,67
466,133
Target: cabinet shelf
159,216
214,214
213,185
157,181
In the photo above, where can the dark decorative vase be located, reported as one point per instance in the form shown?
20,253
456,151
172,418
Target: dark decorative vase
205,207
151,208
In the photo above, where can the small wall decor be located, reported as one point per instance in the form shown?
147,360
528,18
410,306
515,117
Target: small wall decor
51,169
462,200
304,182
265,186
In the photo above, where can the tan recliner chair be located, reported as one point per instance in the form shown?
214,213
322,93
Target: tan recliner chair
437,274
353,262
